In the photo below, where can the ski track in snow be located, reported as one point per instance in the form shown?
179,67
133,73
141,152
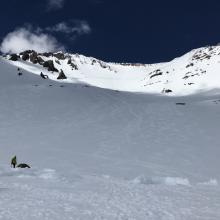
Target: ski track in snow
101,154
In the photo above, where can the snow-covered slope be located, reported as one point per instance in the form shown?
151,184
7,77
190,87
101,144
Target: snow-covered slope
194,72
104,154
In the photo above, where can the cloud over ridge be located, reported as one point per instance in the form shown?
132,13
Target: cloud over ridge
43,39
25,39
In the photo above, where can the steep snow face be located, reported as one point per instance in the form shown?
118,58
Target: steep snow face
101,154
194,72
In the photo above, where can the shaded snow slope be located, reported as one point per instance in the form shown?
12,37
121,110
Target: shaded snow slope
103,154
194,72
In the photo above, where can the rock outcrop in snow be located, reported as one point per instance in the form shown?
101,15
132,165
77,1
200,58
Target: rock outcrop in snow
195,71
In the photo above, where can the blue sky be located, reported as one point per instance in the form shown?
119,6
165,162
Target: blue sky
113,30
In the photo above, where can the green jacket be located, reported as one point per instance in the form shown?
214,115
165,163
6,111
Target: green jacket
14,160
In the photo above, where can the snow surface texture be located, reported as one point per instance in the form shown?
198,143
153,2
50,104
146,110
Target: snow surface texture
104,154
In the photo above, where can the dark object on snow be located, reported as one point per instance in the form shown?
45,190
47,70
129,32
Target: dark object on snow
217,101
50,66
14,161
167,91
69,61
19,72
58,62
74,66
62,75
189,65
14,57
44,76
156,74
23,165
180,103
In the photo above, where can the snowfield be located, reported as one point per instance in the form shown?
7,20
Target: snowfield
109,154
194,72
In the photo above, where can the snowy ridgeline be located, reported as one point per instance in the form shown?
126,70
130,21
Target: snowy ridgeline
105,154
194,72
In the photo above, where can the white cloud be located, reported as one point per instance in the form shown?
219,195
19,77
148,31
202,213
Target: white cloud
76,27
41,40
55,4
25,39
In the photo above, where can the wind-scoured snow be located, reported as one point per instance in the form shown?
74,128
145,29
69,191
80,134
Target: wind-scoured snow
105,154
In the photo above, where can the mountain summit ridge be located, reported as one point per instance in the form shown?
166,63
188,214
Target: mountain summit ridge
197,70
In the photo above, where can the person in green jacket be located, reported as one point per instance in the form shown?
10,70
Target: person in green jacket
14,161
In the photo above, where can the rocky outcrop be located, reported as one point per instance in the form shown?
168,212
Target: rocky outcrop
47,54
61,75
74,66
14,57
44,76
59,56
33,57
25,56
50,66
40,60
58,62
